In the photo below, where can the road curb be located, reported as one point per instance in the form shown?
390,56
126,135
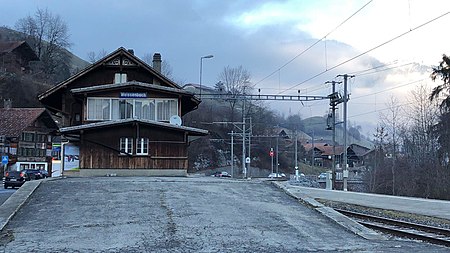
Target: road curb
12,205
330,213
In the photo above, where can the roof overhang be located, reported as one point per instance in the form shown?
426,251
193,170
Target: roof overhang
116,86
112,123
189,100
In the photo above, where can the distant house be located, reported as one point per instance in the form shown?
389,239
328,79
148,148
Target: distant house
123,117
16,56
290,135
360,154
197,89
323,153
26,137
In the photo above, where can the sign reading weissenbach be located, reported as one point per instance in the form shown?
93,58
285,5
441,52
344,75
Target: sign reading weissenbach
133,94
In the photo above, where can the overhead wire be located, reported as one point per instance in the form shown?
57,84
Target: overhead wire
378,110
362,72
367,51
311,46
392,88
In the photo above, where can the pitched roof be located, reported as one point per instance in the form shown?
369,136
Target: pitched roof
325,148
8,47
120,50
109,123
129,84
15,120
359,150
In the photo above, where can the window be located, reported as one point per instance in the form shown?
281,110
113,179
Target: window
166,108
115,114
120,78
40,138
29,137
142,146
126,145
126,108
114,108
145,109
28,152
99,108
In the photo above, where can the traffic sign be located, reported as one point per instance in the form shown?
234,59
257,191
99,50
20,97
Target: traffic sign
5,159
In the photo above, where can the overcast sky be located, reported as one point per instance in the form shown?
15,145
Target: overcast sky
270,37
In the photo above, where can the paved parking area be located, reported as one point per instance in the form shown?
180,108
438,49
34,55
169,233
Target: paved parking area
5,193
178,215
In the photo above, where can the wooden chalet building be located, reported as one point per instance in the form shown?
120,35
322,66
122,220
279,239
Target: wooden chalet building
15,56
26,137
124,117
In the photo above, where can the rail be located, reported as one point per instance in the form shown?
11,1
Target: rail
422,232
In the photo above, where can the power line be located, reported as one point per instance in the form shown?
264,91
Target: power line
311,46
361,73
368,51
373,68
393,88
379,110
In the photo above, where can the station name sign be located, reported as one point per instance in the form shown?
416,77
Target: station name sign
133,94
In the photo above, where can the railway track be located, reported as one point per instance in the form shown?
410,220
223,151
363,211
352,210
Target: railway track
400,228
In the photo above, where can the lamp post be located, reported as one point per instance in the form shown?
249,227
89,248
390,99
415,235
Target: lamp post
201,68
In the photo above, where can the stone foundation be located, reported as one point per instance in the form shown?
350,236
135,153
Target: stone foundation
129,173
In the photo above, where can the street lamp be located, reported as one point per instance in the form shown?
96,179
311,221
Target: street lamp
201,67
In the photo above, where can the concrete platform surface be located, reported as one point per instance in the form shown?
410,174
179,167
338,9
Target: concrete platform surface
428,207
204,214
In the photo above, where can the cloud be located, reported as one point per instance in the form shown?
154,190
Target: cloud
263,36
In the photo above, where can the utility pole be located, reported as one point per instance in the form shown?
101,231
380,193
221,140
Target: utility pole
276,158
333,101
271,157
312,150
232,154
249,143
295,156
345,169
244,170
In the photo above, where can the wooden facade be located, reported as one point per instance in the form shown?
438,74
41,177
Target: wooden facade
119,113
26,138
16,56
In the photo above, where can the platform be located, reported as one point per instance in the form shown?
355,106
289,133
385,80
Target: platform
428,207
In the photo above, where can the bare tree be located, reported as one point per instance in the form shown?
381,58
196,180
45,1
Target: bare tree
48,34
93,56
392,123
236,81
423,115
166,68
376,163
420,146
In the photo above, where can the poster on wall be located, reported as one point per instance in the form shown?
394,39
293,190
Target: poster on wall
71,157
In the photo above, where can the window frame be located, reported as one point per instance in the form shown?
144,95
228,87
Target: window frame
156,109
142,147
120,77
126,145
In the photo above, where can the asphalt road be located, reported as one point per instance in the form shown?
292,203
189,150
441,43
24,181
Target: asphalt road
5,193
178,215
